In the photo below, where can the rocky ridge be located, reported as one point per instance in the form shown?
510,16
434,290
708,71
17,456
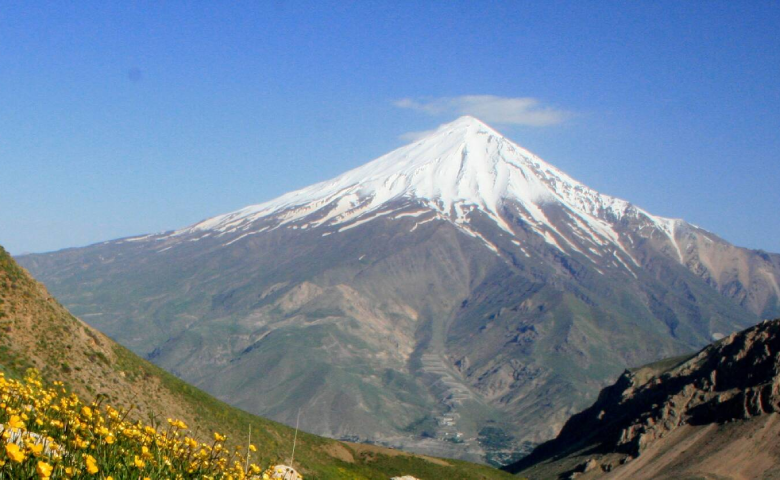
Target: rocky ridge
733,380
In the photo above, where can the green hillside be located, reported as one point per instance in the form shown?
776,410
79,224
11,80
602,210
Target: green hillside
37,332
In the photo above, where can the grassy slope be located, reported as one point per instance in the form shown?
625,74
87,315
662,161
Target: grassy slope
36,331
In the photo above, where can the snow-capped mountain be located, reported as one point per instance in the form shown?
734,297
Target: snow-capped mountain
464,168
464,165
457,296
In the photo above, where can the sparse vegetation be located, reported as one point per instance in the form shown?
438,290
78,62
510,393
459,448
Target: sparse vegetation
98,371
49,432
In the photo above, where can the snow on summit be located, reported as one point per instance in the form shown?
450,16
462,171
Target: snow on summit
462,168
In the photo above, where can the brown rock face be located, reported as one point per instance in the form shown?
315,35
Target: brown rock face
735,379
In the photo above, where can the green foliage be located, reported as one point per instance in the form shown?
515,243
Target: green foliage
423,426
64,334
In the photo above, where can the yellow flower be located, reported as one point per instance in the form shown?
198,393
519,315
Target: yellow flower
177,424
252,448
15,422
138,462
35,448
43,470
92,467
218,437
14,453
145,452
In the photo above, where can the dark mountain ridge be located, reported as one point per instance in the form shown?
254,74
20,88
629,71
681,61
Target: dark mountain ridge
635,427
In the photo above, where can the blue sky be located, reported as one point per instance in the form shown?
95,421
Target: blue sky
122,118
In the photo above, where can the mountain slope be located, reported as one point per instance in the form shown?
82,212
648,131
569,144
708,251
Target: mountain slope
36,332
430,299
722,403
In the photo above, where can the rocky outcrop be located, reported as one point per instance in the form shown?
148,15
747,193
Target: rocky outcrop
734,379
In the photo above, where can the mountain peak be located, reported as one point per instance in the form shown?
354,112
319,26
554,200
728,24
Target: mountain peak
461,165
462,170
463,128
468,121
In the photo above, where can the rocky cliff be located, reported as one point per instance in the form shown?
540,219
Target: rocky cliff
678,418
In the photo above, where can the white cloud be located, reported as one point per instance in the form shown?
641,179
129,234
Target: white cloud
414,136
490,108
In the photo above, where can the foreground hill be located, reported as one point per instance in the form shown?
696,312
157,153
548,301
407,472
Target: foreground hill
715,414
458,296
37,332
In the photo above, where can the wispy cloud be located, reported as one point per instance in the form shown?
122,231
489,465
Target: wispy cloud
525,111
414,136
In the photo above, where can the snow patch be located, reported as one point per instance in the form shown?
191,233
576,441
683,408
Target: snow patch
422,223
625,265
477,235
551,240
138,239
411,214
365,220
